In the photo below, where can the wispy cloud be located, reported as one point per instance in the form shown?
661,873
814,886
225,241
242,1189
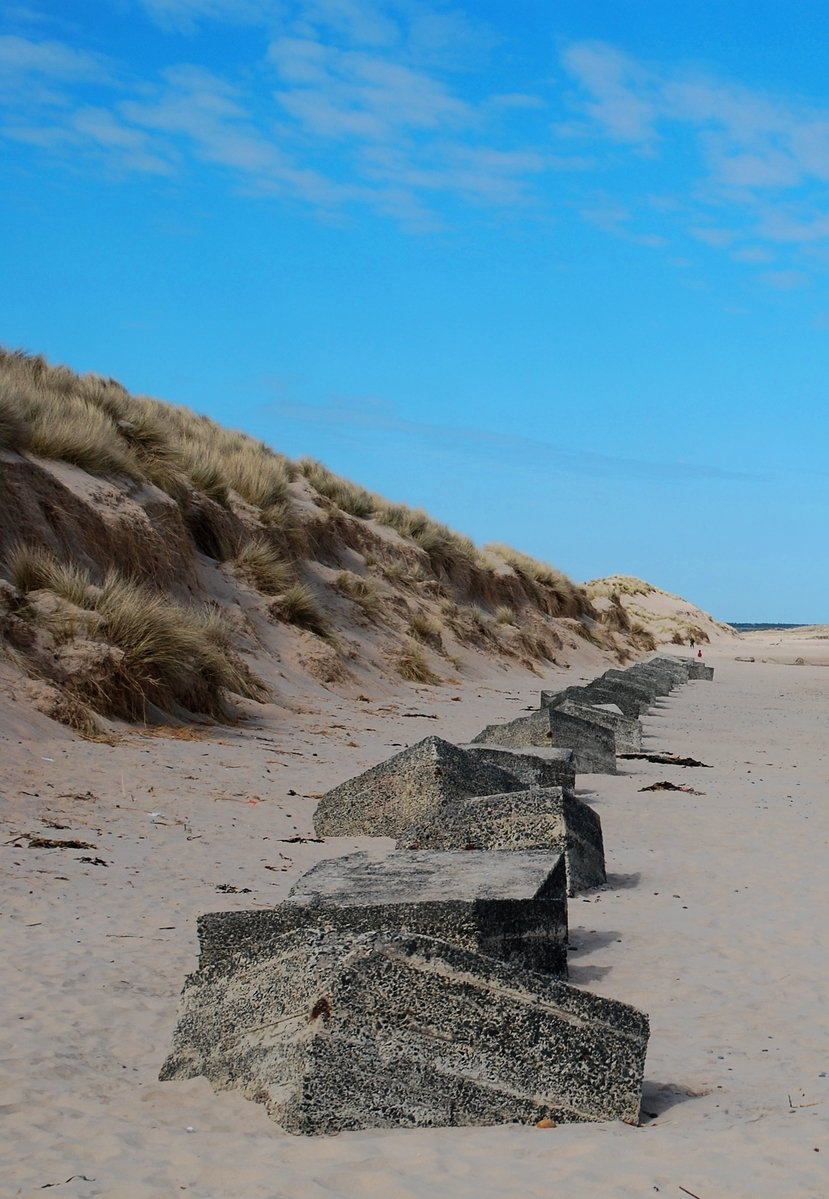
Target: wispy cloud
755,164
187,16
368,419
349,104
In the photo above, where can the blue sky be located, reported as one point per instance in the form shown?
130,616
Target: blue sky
556,271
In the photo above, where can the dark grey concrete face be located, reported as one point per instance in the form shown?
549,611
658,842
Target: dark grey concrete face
698,670
594,747
662,682
388,797
626,729
338,1031
511,906
677,666
541,768
644,689
625,698
543,818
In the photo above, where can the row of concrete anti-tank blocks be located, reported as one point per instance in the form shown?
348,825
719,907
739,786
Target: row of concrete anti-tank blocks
425,985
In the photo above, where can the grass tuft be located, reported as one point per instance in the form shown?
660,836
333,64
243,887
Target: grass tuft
36,568
15,433
411,664
259,564
359,590
172,657
426,628
297,605
354,500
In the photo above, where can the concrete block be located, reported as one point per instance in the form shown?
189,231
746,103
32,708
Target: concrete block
663,682
627,730
337,1031
542,768
678,666
384,800
645,688
698,670
626,698
548,818
511,906
594,748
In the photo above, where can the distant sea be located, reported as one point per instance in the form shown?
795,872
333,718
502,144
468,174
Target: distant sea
742,627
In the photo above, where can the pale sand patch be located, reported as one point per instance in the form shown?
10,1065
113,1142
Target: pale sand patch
714,923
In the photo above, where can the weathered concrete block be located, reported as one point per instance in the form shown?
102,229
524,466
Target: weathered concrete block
662,681
542,768
548,818
384,800
644,688
678,666
627,699
698,670
510,906
626,729
339,1031
594,748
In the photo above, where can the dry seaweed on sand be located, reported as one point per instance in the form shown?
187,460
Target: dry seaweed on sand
667,786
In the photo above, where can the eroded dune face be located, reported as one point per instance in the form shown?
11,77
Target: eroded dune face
153,563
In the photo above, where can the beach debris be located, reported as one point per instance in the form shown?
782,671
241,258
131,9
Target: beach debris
665,759
37,842
667,786
72,1178
413,1032
94,861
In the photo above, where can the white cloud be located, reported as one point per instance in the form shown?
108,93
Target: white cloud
784,280
185,16
744,157
620,92
23,59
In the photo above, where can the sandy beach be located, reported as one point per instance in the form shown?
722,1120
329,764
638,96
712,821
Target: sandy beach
712,922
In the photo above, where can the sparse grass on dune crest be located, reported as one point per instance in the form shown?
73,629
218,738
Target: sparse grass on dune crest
550,589
451,554
15,431
351,498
